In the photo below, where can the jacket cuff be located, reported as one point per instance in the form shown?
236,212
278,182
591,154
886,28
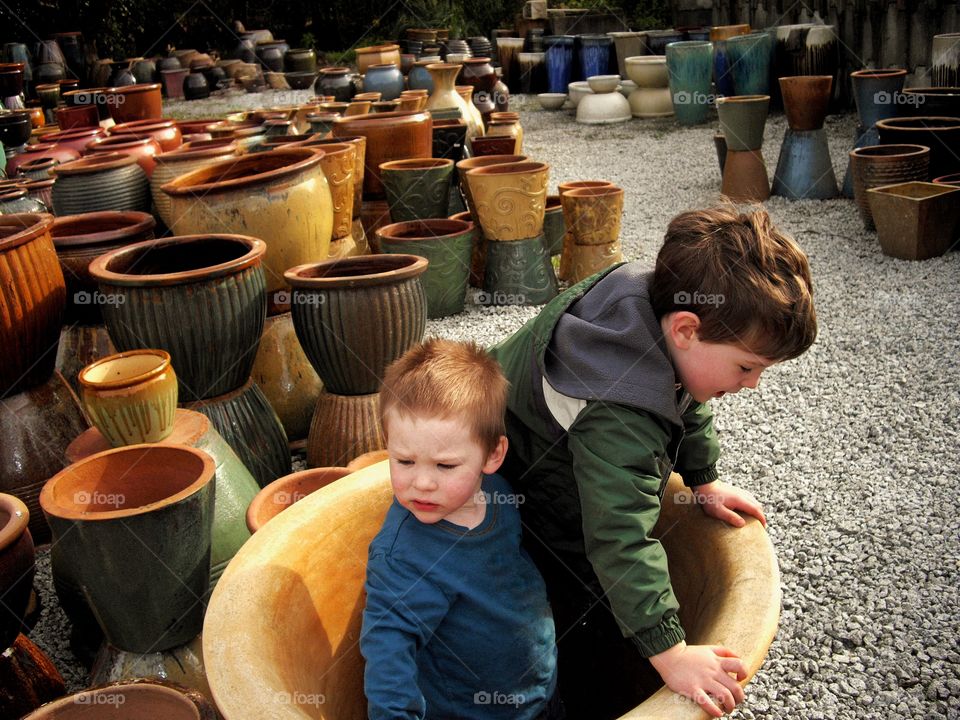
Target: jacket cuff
659,638
692,478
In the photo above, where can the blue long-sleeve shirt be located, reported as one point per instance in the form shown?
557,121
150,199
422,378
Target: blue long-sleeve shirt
457,623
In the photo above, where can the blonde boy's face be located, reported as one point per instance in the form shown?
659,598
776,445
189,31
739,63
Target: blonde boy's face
436,467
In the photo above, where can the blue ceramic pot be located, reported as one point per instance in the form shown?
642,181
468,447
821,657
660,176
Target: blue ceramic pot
876,92
722,77
595,54
690,66
804,170
559,62
750,63
385,79
419,78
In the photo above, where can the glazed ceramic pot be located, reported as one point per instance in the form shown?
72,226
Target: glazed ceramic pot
478,249
595,54
506,124
742,120
419,77
40,191
449,137
554,226
195,86
446,103
652,97
468,164
355,316
508,48
518,272
885,165
931,101
286,377
108,181
389,136
32,298
344,426
14,128
30,679
940,134
447,244
417,188
284,492
146,598
131,396
805,100
144,149
510,199
478,72
17,201
173,82
948,179
690,67
37,168
593,214
16,567
875,93
559,60
915,220
945,60
377,55
135,102
339,163
750,62
360,143
568,239
80,239
140,699
281,197
385,79
805,49
533,72
300,60
166,132
587,260
79,116
498,145
605,105
171,165
72,140
804,169
217,280
80,345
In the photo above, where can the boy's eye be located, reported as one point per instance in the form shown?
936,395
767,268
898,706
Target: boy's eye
744,369
404,462
445,466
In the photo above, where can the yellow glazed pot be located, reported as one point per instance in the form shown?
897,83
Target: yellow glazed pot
179,162
131,397
339,164
510,200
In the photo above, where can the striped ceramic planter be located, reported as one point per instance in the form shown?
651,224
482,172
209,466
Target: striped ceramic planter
343,427
110,181
885,165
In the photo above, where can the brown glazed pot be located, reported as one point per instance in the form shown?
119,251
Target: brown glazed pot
74,140
339,164
745,176
140,699
60,153
284,492
16,567
805,100
144,149
166,132
32,299
28,679
135,102
343,427
885,165
593,214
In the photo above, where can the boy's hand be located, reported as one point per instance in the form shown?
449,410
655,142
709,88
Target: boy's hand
719,500
702,673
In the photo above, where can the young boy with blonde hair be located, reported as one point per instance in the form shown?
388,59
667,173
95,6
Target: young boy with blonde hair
609,391
457,623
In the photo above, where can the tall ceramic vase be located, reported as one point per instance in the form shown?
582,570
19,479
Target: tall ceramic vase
722,76
742,120
445,102
750,63
559,59
804,169
945,60
690,67
804,49
875,93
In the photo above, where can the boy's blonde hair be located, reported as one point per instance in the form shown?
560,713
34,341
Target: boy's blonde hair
443,378
747,282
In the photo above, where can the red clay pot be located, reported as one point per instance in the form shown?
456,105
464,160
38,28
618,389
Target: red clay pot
284,492
166,132
135,102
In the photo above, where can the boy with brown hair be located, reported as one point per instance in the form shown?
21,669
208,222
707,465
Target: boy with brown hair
457,623
609,391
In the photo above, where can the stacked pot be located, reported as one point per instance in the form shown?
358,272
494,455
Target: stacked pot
804,169
742,120
591,211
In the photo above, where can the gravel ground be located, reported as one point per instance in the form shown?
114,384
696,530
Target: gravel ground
853,447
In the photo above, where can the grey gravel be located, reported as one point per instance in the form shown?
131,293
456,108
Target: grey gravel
853,448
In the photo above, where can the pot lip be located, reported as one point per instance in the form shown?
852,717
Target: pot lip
646,60
805,79
417,164
135,126
139,222
94,163
403,267
886,189
478,161
38,162
948,179
594,191
736,99
303,159
382,66
909,123
98,269
566,187
14,193
942,91
29,226
332,150
176,155
163,365
527,166
133,89
388,47
899,150
18,522
122,140
878,73
379,119
689,44
263,497
433,229
49,503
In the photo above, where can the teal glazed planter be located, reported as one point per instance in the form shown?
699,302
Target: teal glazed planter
447,244
749,57
554,227
417,188
202,298
138,521
518,272
690,67
875,93
385,79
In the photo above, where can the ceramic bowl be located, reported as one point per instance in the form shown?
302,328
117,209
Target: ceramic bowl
603,83
578,90
648,70
627,87
552,101
603,108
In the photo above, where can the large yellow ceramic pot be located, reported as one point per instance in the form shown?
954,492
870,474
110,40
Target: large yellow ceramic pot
280,638
179,162
510,199
281,196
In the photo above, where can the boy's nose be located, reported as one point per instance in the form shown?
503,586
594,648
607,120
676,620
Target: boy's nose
752,379
423,481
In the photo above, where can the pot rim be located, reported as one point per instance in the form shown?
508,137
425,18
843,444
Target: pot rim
867,73
14,193
948,179
94,163
26,226
478,161
525,167
18,521
736,99
98,269
382,66
389,47
51,504
176,155
577,184
941,91
122,140
303,159
805,79
139,222
263,498
897,148
352,121
446,229
389,268
416,164
594,191
163,365
137,89
909,123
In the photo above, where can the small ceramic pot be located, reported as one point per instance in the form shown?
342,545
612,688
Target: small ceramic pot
417,189
742,120
284,492
384,78
135,102
510,199
593,214
518,272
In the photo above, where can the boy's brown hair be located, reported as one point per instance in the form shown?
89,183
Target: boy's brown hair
443,378
747,282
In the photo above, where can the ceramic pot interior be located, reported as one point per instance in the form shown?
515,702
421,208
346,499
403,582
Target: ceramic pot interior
122,370
420,229
243,168
203,252
359,266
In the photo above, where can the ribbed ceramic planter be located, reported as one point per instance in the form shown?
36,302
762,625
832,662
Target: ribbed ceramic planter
171,165
17,201
32,299
447,244
148,511
554,227
945,60
940,134
199,297
750,56
593,214
131,397
652,97
284,492
80,239
510,199
690,68
518,272
417,189
885,165
915,220
144,149
876,93
586,260
343,427
355,316
106,182
286,377
16,567
139,701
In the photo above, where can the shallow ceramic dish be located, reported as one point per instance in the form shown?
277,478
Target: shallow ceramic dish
603,83
552,101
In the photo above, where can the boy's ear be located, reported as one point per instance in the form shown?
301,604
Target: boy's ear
496,457
682,327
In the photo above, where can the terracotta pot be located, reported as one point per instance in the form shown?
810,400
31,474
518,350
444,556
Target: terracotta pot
77,117
447,244
131,396
915,220
107,181
389,136
45,150
593,214
16,567
366,460
145,149
73,140
32,298
342,427
161,494
281,197
217,281
417,189
166,132
79,239
339,162
354,317
284,492
805,100
172,81
510,199
181,161
885,165
29,679
745,176
377,55
940,134
135,102
140,700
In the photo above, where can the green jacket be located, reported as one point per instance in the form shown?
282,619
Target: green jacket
592,493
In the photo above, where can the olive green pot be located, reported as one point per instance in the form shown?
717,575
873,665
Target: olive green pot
518,272
417,189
